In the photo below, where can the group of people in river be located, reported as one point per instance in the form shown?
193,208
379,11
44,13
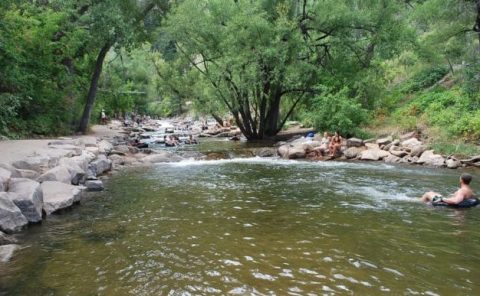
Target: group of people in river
173,140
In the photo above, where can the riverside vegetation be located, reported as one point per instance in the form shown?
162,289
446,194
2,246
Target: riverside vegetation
363,67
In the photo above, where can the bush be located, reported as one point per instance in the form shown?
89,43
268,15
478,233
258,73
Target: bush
424,79
8,113
336,112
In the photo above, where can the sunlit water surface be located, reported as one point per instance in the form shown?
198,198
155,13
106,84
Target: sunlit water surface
255,227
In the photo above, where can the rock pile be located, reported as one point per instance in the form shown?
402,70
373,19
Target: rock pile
407,149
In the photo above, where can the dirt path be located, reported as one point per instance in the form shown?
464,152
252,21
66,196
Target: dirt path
14,150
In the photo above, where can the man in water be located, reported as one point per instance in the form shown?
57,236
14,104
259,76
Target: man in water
465,192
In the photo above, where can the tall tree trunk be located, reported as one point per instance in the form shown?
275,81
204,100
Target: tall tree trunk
273,114
476,27
92,92
217,118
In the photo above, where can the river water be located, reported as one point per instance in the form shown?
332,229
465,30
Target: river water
251,226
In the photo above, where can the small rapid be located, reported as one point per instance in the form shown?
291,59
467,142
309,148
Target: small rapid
255,226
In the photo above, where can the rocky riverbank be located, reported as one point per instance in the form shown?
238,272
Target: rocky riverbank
406,149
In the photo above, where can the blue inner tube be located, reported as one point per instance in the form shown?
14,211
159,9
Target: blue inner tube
467,203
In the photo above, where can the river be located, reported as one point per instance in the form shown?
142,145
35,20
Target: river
255,226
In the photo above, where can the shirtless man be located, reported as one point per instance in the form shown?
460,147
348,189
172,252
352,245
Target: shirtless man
460,195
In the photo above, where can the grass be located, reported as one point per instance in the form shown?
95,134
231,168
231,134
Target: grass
461,150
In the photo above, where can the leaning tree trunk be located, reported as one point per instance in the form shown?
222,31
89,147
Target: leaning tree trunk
92,92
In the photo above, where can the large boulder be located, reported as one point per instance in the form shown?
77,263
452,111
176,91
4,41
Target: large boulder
385,141
265,152
392,159
94,150
5,176
430,158
89,141
453,163
354,142
11,218
296,152
58,195
373,154
76,150
94,185
105,147
6,252
353,152
282,151
100,166
28,174
408,136
162,157
77,173
398,152
33,163
11,169
59,173
410,143
121,149
418,150
28,198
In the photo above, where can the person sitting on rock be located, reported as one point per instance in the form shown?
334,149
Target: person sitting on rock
463,193
335,144
324,143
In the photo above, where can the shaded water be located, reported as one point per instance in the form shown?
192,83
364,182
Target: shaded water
255,226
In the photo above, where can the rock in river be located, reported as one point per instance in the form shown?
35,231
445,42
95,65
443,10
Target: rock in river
11,218
6,252
28,198
58,173
94,185
58,195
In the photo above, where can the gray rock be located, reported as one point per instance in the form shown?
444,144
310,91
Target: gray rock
11,169
121,149
94,150
5,176
418,150
296,152
282,151
265,152
89,141
410,143
58,173
58,195
430,158
75,149
105,147
471,160
162,157
453,163
77,173
388,147
396,151
100,166
392,159
353,152
28,174
7,251
385,141
133,150
373,154
6,239
94,185
408,136
116,160
28,198
116,152
33,163
11,218
354,142
396,142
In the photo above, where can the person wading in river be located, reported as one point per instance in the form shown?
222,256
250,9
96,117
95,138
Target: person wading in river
460,195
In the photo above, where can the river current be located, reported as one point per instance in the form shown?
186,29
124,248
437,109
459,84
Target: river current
255,226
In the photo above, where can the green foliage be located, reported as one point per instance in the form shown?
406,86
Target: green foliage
424,79
451,110
336,112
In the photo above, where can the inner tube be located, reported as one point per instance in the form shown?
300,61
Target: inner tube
466,203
